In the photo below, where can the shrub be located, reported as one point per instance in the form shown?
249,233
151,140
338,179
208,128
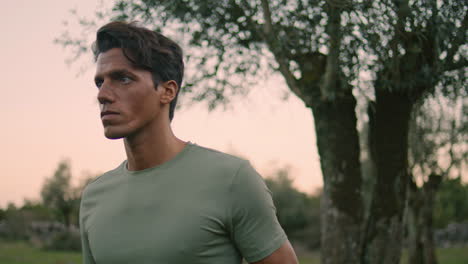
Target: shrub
64,241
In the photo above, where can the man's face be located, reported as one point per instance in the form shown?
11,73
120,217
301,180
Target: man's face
127,96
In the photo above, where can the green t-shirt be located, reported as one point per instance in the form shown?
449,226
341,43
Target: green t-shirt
203,206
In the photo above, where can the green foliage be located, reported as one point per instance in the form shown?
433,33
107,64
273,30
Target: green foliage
455,255
15,225
36,222
17,220
298,213
451,203
56,190
2,215
437,145
416,44
437,135
39,210
413,44
21,253
64,241
58,194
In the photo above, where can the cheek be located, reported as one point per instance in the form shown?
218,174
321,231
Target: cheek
144,106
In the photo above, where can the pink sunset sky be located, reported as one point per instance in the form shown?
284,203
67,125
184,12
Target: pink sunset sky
49,113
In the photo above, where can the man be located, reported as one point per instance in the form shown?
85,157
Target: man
170,202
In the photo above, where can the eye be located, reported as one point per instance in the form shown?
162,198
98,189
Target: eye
125,79
98,83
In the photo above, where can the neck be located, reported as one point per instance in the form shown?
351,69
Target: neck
152,147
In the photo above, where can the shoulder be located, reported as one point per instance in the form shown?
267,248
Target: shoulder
215,154
239,171
102,180
217,159
220,169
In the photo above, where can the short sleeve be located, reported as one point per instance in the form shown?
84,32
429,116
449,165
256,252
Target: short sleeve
254,226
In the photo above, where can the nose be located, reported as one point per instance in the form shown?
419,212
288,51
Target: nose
105,94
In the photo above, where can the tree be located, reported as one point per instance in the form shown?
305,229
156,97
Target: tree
58,194
437,153
417,46
37,210
298,212
451,203
321,48
2,215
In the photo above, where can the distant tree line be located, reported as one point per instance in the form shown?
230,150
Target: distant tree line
52,222
298,212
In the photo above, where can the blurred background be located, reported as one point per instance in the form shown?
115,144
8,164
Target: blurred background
50,111
353,106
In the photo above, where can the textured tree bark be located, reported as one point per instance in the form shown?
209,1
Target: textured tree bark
432,186
333,106
415,247
427,235
384,231
421,248
341,205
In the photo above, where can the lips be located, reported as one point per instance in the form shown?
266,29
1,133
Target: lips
108,113
109,117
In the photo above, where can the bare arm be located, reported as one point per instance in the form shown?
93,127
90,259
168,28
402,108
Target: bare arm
283,255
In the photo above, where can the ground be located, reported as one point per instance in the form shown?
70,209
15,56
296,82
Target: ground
21,253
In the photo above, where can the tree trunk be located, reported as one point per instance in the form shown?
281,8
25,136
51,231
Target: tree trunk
427,235
421,248
65,210
413,217
430,189
333,106
384,231
341,204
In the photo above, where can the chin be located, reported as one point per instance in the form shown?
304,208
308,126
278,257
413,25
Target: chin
113,134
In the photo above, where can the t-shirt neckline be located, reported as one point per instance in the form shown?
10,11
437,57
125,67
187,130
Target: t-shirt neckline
159,167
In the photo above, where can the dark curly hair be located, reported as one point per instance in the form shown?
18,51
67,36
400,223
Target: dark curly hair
145,49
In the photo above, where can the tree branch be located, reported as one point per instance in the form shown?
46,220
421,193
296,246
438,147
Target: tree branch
268,27
403,11
275,47
331,84
456,41
451,66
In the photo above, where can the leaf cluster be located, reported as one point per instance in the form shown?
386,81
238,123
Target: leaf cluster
407,46
298,212
437,135
451,204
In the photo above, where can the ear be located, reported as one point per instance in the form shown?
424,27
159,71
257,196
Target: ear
168,91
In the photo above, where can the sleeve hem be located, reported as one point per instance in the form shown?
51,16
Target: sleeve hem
267,251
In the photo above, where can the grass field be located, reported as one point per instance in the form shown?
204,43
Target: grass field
21,253
455,255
